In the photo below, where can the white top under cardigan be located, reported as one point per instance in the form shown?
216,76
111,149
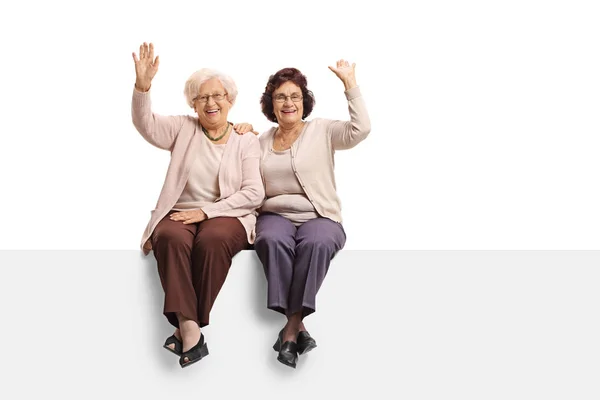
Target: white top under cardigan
284,194
202,187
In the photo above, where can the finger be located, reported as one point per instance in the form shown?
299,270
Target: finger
141,51
331,68
191,221
156,62
151,52
353,66
135,59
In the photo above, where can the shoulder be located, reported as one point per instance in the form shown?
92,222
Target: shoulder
187,127
248,138
268,134
187,121
317,125
318,122
247,145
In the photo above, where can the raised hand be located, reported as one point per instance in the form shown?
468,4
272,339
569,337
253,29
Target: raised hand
244,127
145,67
345,72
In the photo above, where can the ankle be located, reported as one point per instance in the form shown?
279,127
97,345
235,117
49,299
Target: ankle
188,327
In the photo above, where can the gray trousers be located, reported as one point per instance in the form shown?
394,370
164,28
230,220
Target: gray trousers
296,260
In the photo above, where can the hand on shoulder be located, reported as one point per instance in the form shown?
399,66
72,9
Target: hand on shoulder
243,128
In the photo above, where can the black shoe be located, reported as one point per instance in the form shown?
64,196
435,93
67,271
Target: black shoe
178,345
288,354
305,342
277,345
195,354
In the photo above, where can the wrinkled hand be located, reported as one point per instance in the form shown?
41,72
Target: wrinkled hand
244,127
145,67
345,72
188,217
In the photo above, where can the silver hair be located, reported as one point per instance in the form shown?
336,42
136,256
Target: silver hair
192,85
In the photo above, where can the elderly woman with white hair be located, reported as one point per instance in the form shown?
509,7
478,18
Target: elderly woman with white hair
205,213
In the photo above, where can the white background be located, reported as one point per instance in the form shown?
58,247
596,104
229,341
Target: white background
485,128
485,136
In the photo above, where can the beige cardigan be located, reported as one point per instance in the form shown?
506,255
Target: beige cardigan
313,153
240,182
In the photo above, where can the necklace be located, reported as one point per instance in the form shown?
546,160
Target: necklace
217,138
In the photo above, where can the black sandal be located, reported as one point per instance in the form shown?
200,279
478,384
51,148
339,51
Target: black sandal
195,354
178,346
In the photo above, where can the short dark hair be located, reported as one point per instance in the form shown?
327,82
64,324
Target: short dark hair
279,78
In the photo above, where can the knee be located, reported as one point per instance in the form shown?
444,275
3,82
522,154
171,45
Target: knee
266,239
314,244
163,236
212,240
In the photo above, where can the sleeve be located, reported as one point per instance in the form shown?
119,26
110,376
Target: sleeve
347,134
158,130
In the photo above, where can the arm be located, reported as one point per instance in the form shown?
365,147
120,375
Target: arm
252,192
347,134
157,130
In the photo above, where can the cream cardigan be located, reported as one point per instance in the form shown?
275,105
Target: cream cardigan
313,153
240,182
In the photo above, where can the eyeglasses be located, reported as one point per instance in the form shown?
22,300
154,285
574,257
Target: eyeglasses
281,98
216,97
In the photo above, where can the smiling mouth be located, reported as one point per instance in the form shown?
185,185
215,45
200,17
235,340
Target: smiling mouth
211,112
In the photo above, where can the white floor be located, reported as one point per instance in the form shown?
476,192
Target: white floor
399,324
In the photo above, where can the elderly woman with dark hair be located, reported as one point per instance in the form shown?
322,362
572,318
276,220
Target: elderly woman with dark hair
205,213
299,230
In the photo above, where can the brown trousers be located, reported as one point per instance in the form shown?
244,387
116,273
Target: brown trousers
193,262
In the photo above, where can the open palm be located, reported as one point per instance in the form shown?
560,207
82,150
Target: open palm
343,69
146,66
345,72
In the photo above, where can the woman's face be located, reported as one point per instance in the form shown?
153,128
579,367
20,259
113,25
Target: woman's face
212,112
287,103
